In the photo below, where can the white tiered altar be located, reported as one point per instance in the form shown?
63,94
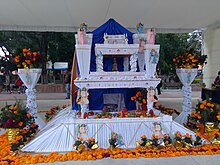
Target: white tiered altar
64,129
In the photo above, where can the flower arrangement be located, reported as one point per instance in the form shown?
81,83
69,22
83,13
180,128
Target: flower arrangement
28,59
189,60
141,99
19,123
52,112
206,111
15,116
26,158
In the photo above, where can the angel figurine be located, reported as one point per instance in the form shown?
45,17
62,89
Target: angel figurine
82,34
154,58
140,27
151,36
82,132
151,100
82,100
141,58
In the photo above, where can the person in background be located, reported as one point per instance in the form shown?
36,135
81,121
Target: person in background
217,79
158,88
67,83
1,80
18,83
7,81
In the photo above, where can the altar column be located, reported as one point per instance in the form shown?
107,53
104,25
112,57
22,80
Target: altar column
211,48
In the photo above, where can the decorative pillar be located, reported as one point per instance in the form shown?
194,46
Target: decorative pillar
30,78
186,76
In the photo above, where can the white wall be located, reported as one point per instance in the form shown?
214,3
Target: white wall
212,49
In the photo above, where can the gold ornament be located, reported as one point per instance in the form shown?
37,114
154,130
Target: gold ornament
209,127
12,133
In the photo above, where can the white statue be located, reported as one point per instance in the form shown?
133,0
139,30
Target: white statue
150,99
82,100
153,60
141,58
151,36
82,132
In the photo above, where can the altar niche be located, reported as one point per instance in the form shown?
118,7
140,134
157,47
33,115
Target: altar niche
116,66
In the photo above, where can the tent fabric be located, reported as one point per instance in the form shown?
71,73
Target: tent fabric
111,27
67,15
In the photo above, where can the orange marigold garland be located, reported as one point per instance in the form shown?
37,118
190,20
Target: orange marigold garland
117,153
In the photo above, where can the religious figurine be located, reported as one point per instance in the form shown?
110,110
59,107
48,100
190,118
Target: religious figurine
167,140
187,141
105,38
157,128
151,36
114,65
155,140
178,141
115,140
126,38
140,27
154,58
198,141
124,112
91,144
84,27
144,142
140,54
79,145
82,34
82,100
151,99
82,132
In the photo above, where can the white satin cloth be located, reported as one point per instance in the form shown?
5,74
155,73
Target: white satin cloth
61,132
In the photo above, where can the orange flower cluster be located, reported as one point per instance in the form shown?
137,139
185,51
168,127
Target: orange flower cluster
117,153
206,111
14,116
209,135
140,97
189,61
52,112
27,59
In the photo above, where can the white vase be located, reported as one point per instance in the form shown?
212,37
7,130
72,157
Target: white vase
186,76
30,78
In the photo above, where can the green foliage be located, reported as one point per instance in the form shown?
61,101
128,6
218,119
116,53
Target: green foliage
54,46
171,45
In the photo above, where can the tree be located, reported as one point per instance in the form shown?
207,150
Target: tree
171,45
54,46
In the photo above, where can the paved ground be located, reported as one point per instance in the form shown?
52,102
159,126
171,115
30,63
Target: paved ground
186,160
168,98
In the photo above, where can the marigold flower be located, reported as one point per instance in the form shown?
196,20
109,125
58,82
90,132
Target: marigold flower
201,106
34,54
28,61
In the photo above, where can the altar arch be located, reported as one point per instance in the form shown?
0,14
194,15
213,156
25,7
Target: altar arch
111,27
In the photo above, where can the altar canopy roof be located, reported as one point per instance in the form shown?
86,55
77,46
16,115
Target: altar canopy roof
67,15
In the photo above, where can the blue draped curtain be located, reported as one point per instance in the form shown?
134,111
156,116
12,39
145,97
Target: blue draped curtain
111,27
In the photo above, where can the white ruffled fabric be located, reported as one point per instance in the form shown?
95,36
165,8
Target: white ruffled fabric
61,132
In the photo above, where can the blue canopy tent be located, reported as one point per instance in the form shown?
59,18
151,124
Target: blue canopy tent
111,27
